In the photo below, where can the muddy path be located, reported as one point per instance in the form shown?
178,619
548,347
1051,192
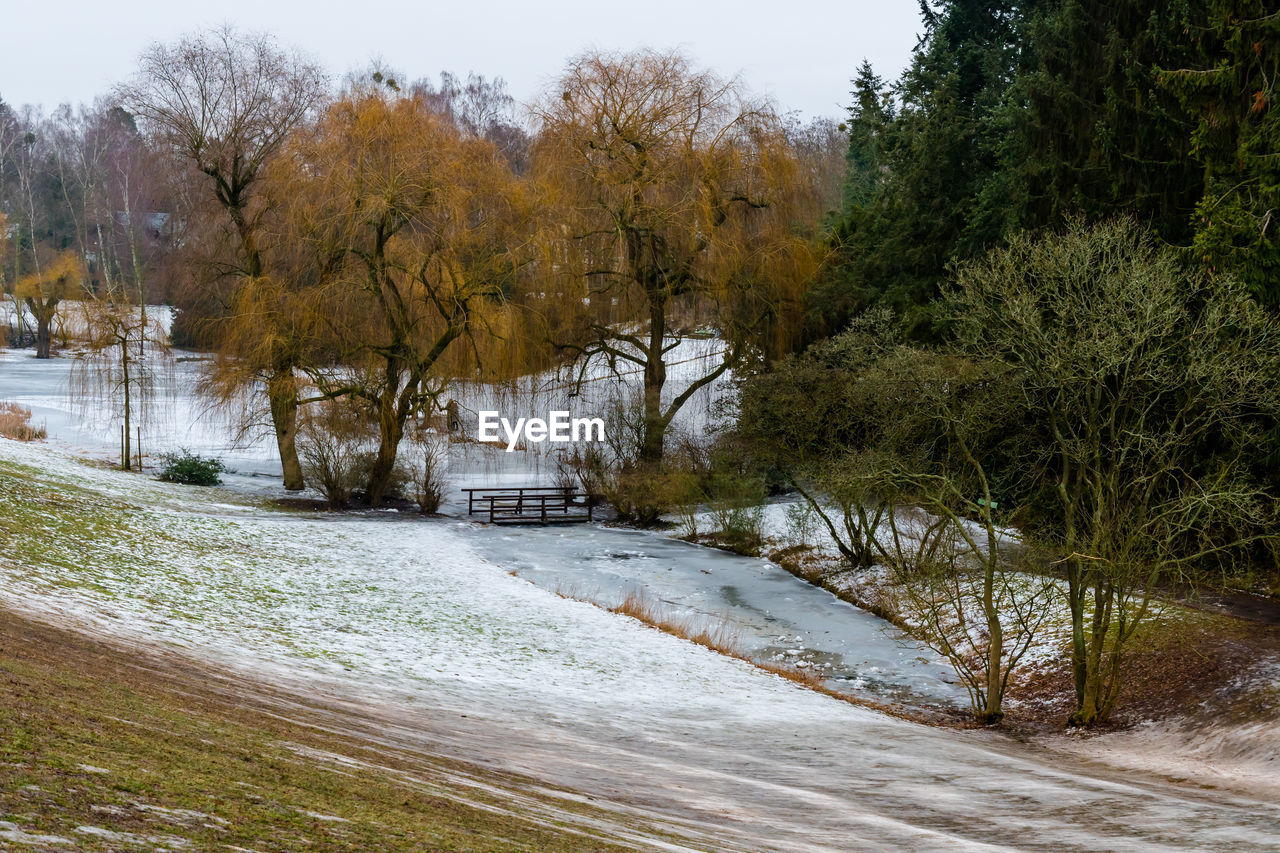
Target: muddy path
863,781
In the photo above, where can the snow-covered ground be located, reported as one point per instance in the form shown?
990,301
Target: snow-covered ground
423,622
403,615
772,615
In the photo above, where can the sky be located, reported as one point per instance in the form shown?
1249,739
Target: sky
802,54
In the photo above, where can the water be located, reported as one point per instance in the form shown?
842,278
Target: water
773,615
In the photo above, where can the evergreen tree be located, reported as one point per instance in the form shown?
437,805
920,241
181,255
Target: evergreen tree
869,118
1231,87
915,181
836,295
1088,129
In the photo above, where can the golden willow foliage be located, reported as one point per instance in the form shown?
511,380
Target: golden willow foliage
396,231
671,202
58,279
399,251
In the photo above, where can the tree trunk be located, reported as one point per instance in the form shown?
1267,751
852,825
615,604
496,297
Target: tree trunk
1075,598
44,334
1093,706
993,713
282,392
655,377
393,411
390,431
128,420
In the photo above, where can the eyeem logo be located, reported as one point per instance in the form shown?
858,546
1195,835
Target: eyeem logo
560,427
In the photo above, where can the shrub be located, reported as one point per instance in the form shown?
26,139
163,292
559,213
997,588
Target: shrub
736,498
584,467
332,438
15,423
190,469
641,494
429,476
740,529
802,524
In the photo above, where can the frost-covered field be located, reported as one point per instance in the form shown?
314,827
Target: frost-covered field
403,615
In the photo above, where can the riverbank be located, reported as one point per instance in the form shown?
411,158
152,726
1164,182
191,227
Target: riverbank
1200,697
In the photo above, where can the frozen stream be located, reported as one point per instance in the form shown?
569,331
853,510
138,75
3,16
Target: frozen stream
773,614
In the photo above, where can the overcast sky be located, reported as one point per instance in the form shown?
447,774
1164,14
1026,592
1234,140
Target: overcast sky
800,53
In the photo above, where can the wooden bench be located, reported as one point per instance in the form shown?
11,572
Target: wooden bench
530,505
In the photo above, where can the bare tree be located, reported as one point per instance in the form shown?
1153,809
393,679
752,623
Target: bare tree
225,101
1146,380
481,108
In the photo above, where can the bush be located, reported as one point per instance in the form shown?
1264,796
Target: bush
15,423
802,524
583,467
641,494
740,529
190,469
429,479
332,438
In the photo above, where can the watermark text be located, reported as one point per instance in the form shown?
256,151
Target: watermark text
558,426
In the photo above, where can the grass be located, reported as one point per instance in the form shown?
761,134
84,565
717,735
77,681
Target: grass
110,749
718,637
15,423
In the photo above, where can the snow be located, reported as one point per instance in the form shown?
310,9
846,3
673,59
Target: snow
134,839
402,618
286,586
418,626
10,831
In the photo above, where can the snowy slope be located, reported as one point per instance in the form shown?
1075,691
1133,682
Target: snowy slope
401,615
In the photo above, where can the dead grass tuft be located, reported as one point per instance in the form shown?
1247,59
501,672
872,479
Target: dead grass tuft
15,423
718,637
723,639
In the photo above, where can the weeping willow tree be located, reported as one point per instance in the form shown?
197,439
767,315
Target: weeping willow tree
401,225
124,352
671,206
269,337
42,291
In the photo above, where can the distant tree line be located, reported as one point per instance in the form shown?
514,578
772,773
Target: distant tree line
346,251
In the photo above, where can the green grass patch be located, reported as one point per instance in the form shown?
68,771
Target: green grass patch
185,764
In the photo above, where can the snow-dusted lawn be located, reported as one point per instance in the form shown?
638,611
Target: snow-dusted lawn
402,616
421,624
403,599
